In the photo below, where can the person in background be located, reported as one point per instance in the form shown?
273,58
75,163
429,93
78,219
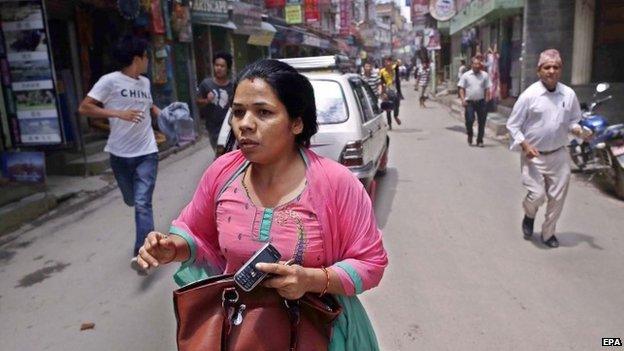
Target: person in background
423,75
389,92
124,98
214,96
462,69
314,211
474,92
545,113
372,79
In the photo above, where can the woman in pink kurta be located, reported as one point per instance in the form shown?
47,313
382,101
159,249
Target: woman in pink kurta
323,219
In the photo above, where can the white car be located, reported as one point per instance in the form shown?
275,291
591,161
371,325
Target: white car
352,128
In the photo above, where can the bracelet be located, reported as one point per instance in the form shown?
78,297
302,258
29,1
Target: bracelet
327,283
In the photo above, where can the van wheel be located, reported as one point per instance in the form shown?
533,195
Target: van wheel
383,164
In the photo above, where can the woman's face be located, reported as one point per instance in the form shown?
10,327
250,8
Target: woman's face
261,124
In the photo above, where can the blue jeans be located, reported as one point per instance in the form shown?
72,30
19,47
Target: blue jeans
136,177
477,107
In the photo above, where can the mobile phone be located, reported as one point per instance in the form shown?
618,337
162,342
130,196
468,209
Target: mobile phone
248,277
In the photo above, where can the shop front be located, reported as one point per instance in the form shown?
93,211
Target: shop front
56,50
493,29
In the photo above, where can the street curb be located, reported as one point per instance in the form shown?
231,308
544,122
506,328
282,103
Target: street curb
81,199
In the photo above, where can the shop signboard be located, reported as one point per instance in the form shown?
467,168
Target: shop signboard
210,11
272,4
32,101
312,13
420,7
345,19
293,14
442,10
246,17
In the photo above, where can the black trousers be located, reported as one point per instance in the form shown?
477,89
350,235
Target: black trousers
477,107
397,102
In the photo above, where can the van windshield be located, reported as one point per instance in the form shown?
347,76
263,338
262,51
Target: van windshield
330,102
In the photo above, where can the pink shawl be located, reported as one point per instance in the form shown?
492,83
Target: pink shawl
353,243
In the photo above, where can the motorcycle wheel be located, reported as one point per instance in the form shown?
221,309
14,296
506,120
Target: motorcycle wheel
618,174
576,154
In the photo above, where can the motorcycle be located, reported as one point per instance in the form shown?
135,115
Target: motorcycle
604,153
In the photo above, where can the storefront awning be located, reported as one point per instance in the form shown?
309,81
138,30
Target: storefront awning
228,25
483,10
264,37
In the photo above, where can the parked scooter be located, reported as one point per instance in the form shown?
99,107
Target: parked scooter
604,153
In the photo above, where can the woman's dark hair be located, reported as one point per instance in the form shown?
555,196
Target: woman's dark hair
225,56
293,90
127,48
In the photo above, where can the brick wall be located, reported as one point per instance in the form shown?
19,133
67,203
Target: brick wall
547,24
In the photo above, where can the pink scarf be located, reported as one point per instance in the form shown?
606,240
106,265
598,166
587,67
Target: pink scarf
352,241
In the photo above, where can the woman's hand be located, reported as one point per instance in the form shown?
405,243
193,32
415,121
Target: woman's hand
291,282
158,249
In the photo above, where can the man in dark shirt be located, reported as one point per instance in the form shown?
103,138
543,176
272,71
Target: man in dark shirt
215,95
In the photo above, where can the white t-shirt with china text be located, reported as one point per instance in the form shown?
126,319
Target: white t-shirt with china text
117,91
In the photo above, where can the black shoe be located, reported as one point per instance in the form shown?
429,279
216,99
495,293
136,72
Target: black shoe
470,140
552,242
527,227
479,144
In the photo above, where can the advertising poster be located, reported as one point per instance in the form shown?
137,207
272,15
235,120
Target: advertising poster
432,39
26,55
24,167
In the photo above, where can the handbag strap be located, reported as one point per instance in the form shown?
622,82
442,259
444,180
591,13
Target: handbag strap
294,316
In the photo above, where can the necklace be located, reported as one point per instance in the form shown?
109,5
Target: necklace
245,185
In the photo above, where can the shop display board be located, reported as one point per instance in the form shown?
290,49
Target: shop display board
28,74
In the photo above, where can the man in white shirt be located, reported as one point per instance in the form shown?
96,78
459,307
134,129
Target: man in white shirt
124,98
539,124
474,92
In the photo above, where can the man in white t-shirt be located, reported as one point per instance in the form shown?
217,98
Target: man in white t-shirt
124,98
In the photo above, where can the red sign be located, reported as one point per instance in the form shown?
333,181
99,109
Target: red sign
274,3
312,13
345,17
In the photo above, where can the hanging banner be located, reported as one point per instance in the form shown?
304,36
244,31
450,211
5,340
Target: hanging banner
274,4
442,10
293,14
345,18
312,13
31,101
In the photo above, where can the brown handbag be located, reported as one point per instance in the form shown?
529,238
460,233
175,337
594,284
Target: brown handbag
214,314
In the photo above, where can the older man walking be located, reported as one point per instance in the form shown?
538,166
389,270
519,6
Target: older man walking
539,124
474,92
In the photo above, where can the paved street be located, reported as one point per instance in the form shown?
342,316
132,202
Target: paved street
460,277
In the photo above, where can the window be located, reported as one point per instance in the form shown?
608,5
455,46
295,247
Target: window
360,95
330,102
372,98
